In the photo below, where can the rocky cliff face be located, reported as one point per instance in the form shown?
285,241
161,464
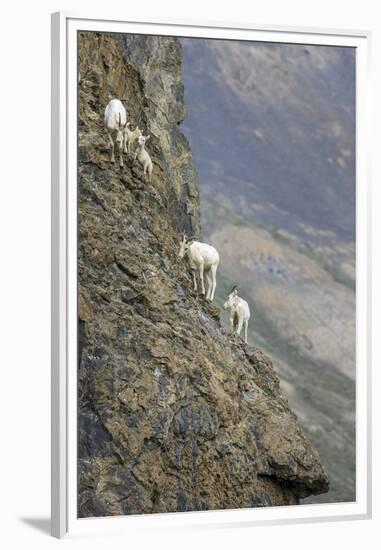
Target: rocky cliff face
174,413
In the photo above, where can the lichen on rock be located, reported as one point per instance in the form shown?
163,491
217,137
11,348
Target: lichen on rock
174,414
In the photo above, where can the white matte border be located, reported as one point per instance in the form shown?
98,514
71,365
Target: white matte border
64,280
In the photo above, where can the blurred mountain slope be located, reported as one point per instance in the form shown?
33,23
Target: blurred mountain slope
272,129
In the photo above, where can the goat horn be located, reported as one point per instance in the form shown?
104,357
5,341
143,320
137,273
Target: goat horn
119,120
233,289
191,238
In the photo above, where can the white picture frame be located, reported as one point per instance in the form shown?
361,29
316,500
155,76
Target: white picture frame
64,277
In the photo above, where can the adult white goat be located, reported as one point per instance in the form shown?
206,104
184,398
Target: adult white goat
115,121
143,157
239,312
205,259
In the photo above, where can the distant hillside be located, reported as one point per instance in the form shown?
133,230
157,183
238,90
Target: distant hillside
275,126
272,130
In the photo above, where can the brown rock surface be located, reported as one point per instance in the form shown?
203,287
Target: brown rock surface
174,414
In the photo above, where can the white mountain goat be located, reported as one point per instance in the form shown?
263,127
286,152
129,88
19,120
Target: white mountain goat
204,259
115,121
143,157
239,312
131,139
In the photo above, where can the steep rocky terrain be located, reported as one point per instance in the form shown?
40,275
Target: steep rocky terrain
272,130
174,413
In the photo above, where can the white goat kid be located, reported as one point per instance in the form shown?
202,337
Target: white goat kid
131,139
204,259
115,121
239,312
143,157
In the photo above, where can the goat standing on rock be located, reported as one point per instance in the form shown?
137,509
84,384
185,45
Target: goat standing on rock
115,121
205,259
239,312
132,136
143,157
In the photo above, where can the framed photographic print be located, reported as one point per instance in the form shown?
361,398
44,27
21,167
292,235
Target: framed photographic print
211,281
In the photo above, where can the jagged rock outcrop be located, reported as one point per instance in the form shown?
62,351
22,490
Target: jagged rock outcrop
174,414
